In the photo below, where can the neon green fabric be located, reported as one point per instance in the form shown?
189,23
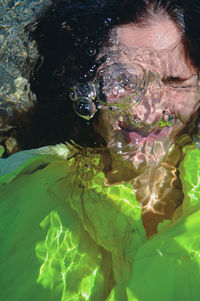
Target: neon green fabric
65,235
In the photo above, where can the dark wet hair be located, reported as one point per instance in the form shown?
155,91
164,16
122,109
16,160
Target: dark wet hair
69,36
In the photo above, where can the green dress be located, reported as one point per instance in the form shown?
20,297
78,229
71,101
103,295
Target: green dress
67,236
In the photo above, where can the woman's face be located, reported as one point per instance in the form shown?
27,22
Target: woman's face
151,90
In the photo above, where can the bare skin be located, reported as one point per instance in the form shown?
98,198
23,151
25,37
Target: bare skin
171,88
172,85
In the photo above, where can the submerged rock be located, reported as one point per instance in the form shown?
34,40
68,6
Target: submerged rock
18,52
18,55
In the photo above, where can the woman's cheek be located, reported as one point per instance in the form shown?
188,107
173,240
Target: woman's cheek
183,104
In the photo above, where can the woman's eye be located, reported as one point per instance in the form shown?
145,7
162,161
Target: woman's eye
173,81
177,82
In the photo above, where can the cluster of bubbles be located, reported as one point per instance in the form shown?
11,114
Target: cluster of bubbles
118,88
84,97
115,81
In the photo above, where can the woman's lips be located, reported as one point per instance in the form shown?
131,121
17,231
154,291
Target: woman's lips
136,137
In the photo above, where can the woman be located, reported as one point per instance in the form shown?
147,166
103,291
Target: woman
102,217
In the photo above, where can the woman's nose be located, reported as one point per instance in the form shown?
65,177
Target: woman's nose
153,102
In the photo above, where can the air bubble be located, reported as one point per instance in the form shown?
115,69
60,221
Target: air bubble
91,51
107,21
119,80
85,108
171,119
115,90
72,95
83,90
92,71
97,104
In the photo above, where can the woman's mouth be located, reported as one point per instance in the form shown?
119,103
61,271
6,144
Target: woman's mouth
136,136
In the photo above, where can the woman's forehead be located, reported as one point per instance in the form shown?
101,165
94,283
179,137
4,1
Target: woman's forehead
158,45
161,34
